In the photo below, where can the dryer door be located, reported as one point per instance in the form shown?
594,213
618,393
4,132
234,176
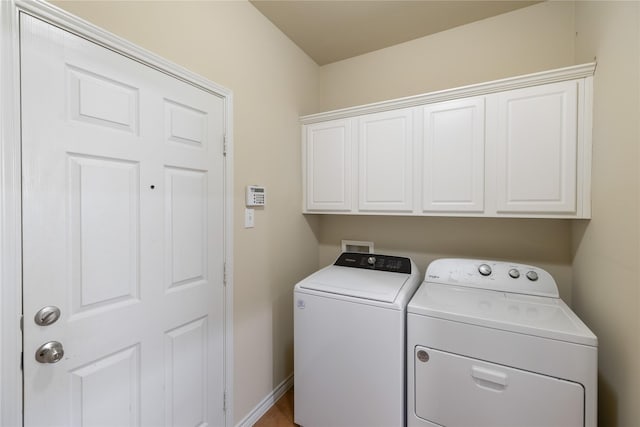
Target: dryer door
453,390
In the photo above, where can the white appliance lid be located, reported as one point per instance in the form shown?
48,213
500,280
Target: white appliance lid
374,285
532,315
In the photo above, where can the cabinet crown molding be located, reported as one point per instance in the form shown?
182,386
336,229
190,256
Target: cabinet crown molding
527,80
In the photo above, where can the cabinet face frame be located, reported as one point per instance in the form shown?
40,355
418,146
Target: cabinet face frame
327,166
584,156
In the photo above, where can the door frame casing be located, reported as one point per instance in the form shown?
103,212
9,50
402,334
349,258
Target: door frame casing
11,389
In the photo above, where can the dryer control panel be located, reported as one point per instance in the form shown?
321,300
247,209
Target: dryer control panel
493,275
374,262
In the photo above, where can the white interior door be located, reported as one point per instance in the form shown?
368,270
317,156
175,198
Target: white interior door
123,232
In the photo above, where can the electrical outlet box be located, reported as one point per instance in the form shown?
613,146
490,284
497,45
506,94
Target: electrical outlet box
357,246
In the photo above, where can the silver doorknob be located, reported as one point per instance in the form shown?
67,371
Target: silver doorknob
49,352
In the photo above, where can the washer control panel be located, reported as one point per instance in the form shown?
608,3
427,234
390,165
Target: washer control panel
377,262
492,275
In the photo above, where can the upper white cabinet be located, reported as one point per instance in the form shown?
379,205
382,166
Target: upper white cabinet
536,145
518,147
453,156
327,159
385,154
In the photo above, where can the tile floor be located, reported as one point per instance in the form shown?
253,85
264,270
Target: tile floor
280,414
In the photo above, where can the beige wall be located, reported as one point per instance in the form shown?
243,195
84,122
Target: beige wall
545,243
606,257
532,39
273,83
535,38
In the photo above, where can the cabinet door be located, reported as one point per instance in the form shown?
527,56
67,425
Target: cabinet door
453,156
328,166
385,161
536,149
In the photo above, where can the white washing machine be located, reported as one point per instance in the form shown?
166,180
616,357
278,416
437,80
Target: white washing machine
492,344
349,342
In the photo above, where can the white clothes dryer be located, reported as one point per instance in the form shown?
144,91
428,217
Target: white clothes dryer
492,344
349,342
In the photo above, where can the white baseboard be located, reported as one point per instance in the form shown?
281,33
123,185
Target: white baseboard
266,403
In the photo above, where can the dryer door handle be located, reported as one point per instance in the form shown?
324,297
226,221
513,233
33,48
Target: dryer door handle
489,378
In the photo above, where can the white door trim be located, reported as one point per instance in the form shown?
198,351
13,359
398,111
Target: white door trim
10,186
10,221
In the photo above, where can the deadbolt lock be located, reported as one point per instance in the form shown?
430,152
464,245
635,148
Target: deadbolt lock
47,315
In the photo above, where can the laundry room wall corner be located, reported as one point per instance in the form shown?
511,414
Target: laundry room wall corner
606,249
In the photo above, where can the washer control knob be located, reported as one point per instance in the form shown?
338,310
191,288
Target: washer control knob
532,275
484,269
514,273
371,260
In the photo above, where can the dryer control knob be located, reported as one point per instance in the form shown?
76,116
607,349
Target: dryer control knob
514,273
484,269
371,260
532,275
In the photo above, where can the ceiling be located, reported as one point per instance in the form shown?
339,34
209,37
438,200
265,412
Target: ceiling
332,30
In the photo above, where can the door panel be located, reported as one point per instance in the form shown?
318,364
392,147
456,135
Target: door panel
185,125
185,374
117,376
453,160
186,227
99,100
103,219
385,147
123,231
328,166
537,149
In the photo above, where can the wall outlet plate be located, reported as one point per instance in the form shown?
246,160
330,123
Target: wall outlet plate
249,218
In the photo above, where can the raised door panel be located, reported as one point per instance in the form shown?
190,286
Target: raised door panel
536,149
116,375
453,156
103,218
328,166
185,227
185,375
385,147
